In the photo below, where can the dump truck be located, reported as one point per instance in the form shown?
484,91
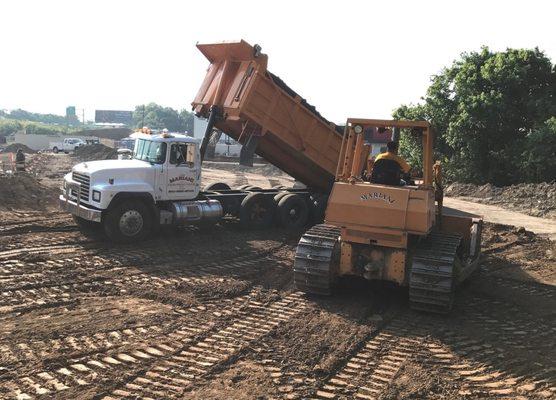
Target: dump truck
160,185
398,232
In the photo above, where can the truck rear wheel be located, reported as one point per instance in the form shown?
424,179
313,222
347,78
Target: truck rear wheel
55,150
293,212
256,211
217,186
128,221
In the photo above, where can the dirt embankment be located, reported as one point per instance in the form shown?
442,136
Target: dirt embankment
262,169
95,152
538,200
22,191
12,148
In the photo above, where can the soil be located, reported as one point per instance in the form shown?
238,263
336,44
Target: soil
24,192
538,200
95,152
213,314
12,148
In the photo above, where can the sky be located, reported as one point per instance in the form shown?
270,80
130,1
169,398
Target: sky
348,58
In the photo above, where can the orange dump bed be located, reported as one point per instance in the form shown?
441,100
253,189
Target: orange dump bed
254,103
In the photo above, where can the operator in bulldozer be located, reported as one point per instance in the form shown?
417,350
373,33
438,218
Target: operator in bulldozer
389,166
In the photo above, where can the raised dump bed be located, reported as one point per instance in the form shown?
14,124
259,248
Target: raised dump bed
259,110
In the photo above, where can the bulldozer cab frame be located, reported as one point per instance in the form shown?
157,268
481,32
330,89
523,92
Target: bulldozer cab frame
355,150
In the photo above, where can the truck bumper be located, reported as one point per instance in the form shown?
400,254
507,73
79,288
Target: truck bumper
79,210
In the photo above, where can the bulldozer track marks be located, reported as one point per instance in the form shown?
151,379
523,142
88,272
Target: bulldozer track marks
483,370
31,295
171,362
529,288
370,370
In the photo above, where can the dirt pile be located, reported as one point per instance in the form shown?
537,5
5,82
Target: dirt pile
96,152
536,199
24,192
517,253
12,148
262,169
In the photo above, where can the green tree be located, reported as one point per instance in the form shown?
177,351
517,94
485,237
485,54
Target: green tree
483,109
538,161
158,117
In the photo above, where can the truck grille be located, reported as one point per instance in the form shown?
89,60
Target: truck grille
85,182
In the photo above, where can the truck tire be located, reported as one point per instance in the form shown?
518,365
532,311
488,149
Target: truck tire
293,212
217,186
256,211
249,187
55,150
128,221
88,228
242,187
278,197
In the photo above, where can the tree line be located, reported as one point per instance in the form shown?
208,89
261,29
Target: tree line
152,115
494,117
158,117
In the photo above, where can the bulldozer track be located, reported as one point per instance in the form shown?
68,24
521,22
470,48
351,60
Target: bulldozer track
171,362
313,269
432,281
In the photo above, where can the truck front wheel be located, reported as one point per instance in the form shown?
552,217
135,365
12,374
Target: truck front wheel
128,221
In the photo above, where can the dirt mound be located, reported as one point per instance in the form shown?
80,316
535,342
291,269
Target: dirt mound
24,192
536,199
95,152
517,253
12,148
262,169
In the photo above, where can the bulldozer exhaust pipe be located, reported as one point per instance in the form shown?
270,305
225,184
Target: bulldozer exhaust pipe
396,135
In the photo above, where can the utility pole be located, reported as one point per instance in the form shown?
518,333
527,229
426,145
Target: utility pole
83,115
143,117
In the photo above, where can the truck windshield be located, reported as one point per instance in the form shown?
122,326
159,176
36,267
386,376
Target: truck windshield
147,150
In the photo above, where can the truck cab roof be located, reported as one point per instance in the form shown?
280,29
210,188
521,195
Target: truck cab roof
165,137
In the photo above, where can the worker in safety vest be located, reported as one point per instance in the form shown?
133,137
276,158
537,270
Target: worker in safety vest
19,160
388,167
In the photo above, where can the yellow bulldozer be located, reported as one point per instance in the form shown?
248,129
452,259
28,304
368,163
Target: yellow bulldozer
389,232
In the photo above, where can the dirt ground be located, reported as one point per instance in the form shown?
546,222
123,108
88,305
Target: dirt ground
196,314
536,199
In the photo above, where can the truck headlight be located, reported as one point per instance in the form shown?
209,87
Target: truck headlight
96,196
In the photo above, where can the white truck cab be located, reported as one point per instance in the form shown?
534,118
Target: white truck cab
124,195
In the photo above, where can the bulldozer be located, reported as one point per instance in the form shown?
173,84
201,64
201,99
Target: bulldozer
399,233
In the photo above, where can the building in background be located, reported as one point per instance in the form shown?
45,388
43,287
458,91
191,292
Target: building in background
226,146
114,117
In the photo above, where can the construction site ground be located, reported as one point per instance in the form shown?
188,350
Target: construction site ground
213,314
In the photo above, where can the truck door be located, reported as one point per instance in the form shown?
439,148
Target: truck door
183,179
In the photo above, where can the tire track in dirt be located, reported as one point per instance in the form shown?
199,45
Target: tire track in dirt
172,359
30,296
